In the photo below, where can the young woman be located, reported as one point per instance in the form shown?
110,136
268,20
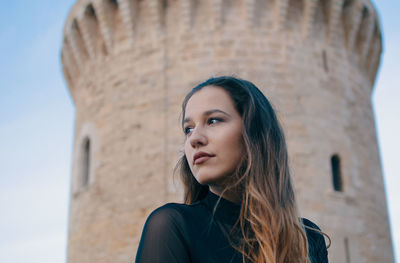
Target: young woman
239,200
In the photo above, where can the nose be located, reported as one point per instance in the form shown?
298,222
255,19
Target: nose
198,138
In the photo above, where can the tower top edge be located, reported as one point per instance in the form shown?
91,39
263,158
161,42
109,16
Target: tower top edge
78,9
75,12
93,28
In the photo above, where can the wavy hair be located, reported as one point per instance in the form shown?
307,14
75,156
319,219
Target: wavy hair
271,230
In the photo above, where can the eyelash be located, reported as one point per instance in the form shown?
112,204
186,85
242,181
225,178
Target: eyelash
185,130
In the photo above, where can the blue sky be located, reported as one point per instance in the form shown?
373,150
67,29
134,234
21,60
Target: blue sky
37,122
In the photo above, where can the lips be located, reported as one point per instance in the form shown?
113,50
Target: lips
201,157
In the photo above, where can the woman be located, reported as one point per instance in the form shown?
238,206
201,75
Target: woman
239,200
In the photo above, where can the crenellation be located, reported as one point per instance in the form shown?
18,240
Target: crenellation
187,14
362,31
366,33
325,7
263,14
77,45
295,15
88,25
249,12
91,23
158,9
148,22
346,19
192,12
104,23
374,57
377,57
67,57
128,10
163,7
354,19
119,32
320,23
280,14
217,13
334,19
309,14
68,68
232,9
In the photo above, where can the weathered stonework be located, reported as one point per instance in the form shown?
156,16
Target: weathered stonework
129,63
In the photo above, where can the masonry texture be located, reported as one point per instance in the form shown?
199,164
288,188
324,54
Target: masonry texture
129,63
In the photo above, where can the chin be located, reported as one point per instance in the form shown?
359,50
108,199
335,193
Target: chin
203,179
207,179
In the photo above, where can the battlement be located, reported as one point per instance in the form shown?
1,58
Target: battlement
99,28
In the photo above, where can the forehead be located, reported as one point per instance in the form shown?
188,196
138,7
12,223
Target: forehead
209,97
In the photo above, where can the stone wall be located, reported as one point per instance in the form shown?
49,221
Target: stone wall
129,63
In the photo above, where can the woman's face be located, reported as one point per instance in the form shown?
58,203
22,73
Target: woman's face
214,144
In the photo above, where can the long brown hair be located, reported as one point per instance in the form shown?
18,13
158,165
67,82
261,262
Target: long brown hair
271,230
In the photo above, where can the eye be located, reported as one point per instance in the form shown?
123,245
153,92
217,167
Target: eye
214,120
187,130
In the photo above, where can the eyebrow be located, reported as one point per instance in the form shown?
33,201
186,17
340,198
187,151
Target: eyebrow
206,113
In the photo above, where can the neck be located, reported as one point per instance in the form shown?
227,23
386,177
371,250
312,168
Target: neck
229,195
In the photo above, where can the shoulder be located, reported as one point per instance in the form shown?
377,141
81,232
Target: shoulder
316,240
172,213
164,232
166,214
163,223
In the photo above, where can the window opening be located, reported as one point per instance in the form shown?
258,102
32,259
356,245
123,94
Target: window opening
336,173
347,250
86,163
325,60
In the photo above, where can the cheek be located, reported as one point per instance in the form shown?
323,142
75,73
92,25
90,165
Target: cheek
234,141
236,152
233,147
188,154
186,149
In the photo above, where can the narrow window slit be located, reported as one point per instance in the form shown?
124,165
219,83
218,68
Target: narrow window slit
85,163
336,173
347,250
325,61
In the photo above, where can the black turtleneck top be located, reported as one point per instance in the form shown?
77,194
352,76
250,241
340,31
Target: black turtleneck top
180,233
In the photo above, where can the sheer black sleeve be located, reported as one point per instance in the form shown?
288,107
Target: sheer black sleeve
162,239
317,250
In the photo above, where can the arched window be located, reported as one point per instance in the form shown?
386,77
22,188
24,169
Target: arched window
85,161
336,173
85,166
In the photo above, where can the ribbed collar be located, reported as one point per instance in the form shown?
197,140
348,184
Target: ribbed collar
227,211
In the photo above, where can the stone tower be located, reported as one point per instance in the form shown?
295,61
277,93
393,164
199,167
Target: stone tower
129,63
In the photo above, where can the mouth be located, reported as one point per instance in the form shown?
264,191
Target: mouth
201,157
201,160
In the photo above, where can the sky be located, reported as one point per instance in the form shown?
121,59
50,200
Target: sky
37,122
